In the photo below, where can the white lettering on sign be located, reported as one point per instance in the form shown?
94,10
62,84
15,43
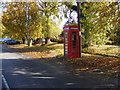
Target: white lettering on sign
74,28
66,28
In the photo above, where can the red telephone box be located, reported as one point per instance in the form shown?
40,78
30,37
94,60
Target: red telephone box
71,42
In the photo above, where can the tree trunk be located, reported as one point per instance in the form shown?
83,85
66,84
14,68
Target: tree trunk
23,40
79,26
47,40
29,42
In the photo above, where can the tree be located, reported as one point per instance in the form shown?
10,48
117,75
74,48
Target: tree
48,9
99,22
14,19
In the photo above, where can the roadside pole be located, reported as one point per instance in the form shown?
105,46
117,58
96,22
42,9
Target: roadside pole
78,12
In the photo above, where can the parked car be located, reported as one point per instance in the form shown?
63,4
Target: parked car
4,39
61,40
39,41
53,40
12,42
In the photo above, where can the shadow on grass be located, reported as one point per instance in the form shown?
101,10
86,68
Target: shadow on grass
109,48
38,48
51,44
34,49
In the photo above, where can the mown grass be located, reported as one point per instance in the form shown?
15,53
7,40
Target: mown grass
40,51
104,50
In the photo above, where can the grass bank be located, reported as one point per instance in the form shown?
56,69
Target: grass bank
103,50
40,51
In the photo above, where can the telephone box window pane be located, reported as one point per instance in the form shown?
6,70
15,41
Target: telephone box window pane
66,42
74,39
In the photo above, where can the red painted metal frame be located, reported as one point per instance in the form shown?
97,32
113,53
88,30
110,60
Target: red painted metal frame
70,50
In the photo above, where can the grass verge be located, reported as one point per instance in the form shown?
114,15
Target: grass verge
103,50
40,51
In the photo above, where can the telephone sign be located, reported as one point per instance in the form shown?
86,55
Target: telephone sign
71,42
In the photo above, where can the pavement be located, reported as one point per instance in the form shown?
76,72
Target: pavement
20,71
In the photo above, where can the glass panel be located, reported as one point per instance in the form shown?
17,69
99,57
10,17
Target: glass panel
66,42
74,39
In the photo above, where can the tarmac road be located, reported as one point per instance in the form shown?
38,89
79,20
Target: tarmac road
20,71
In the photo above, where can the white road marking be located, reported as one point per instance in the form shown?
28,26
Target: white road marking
5,82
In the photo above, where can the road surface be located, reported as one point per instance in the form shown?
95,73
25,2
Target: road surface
20,71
